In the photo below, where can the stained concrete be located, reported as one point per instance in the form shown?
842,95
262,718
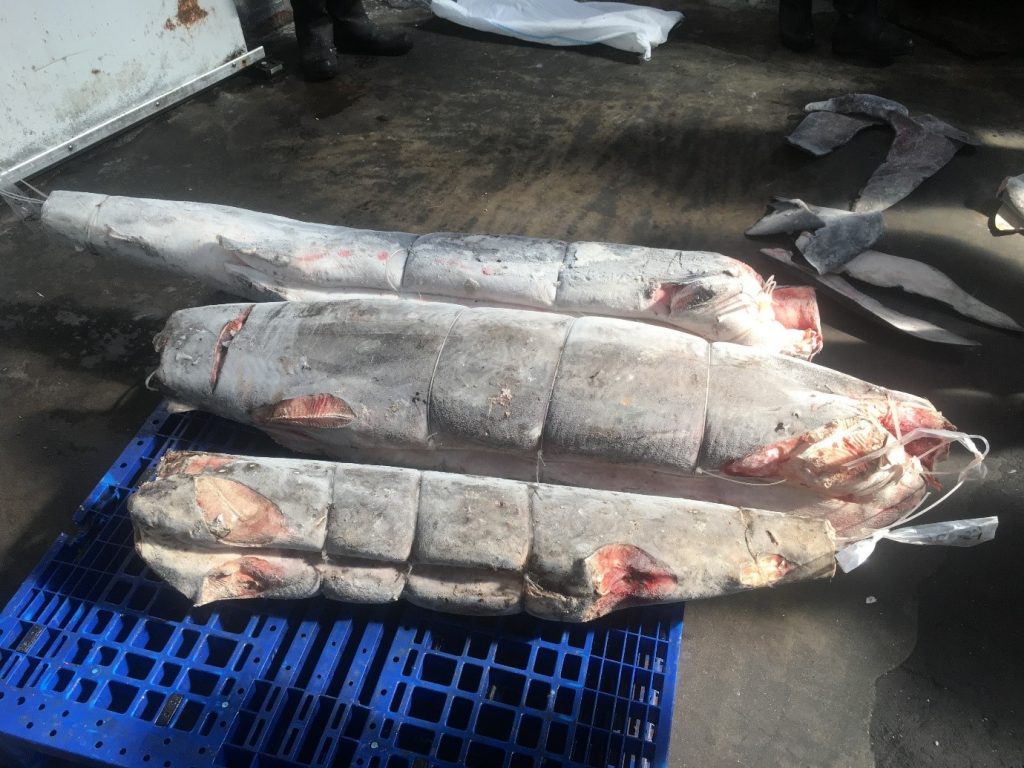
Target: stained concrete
476,133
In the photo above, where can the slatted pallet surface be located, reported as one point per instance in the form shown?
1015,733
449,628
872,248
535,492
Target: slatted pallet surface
104,664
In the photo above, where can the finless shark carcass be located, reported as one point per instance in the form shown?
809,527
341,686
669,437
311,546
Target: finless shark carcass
222,527
260,256
587,401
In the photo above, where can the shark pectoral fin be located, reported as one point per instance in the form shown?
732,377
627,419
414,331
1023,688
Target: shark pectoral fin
787,215
246,252
138,241
253,278
258,281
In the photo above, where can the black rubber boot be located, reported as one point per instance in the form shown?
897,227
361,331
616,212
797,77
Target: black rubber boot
355,33
314,31
861,31
796,25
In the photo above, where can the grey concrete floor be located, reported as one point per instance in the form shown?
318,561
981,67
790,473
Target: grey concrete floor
477,133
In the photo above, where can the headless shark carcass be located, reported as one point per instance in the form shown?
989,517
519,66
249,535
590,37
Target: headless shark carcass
584,401
259,256
223,527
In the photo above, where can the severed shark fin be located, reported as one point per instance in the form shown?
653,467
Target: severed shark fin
913,326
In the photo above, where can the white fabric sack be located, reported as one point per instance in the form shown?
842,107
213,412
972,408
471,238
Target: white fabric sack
634,28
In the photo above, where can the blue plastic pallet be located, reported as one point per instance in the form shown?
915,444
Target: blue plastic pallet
102,663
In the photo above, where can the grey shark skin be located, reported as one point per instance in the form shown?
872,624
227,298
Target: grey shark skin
821,132
865,104
917,152
888,271
922,145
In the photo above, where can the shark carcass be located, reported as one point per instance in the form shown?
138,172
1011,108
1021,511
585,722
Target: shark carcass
585,401
225,527
260,256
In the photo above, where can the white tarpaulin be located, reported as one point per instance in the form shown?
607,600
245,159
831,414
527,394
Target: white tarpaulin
627,27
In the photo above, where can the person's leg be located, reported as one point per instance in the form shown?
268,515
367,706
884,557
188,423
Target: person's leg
314,31
355,33
860,30
796,25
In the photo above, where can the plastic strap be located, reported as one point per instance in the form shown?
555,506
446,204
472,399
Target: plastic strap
974,470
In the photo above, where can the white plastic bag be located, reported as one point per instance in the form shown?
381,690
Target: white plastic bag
956,533
634,28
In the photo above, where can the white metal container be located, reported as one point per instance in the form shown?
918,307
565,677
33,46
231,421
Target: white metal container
78,72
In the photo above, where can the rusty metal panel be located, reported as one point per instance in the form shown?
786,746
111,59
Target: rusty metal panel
76,72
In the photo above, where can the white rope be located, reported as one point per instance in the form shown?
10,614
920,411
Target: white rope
12,193
718,476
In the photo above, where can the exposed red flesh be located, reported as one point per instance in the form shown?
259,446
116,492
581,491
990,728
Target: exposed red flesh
795,307
624,573
911,417
237,514
321,410
662,295
765,570
244,577
189,463
308,258
227,333
197,464
820,458
767,460
829,453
